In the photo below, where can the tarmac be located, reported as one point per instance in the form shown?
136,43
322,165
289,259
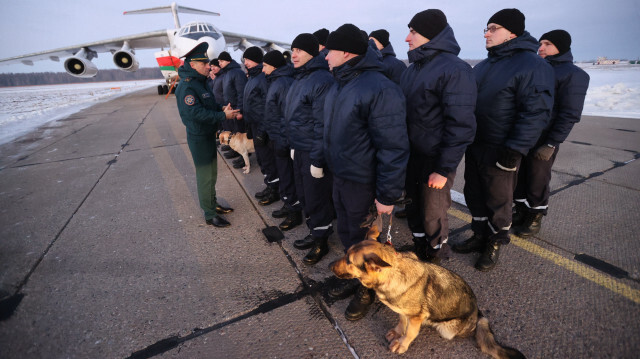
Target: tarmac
104,253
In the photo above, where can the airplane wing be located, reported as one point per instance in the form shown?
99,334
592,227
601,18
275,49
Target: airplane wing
242,42
148,40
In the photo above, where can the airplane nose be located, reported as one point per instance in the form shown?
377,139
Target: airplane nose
212,52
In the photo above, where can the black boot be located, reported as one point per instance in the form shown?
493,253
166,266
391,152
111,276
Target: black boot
489,257
271,197
360,304
304,243
238,162
530,226
225,148
293,220
344,288
420,247
262,193
231,154
474,244
320,249
519,214
280,213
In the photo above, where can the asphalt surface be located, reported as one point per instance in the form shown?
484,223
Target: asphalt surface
104,254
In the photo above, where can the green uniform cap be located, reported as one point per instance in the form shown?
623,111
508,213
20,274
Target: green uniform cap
198,53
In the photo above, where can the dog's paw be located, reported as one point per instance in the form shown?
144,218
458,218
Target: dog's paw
246,170
392,335
397,346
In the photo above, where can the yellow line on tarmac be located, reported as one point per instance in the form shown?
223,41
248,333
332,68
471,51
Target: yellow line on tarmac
575,267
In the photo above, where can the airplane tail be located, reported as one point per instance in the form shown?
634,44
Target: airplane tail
174,9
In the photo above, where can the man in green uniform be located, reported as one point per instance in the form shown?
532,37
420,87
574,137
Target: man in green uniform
201,114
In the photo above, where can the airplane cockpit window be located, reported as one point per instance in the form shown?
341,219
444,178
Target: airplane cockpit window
198,30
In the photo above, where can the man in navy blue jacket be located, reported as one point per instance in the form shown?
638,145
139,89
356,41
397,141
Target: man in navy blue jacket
253,100
393,67
304,118
214,82
531,196
515,98
279,76
365,144
441,98
233,82
322,35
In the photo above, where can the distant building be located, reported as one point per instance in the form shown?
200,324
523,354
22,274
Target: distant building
604,61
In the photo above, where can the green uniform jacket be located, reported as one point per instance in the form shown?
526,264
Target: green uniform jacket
198,108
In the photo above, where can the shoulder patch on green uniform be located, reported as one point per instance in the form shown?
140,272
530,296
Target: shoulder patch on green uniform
190,100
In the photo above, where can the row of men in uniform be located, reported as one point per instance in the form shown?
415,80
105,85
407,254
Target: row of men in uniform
334,134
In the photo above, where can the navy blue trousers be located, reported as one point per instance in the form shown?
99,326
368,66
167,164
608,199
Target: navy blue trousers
266,160
287,183
488,191
352,201
533,187
315,195
427,213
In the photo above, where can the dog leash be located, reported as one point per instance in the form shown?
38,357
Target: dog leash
388,242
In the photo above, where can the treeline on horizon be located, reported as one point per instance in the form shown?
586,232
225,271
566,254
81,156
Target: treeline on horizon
53,78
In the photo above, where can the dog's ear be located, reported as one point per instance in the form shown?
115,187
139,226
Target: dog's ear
374,263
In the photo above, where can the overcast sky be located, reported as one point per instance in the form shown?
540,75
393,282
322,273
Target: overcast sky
608,28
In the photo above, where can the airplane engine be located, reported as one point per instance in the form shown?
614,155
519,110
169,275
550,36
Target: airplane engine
80,65
125,59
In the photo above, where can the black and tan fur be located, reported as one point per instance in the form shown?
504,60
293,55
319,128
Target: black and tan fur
422,293
240,143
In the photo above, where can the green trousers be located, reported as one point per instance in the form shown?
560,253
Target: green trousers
205,158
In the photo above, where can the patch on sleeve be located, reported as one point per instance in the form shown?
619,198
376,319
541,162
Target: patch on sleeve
190,100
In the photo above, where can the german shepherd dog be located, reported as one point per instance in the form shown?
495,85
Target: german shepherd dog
422,293
239,142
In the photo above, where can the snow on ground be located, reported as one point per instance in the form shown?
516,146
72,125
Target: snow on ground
23,109
614,91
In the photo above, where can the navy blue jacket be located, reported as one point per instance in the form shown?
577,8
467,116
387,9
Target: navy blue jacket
441,99
255,92
515,95
278,83
233,82
215,86
198,109
571,89
305,107
393,67
365,133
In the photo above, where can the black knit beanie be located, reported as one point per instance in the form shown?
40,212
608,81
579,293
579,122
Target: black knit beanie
254,54
321,35
224,56
429,23
274,58
560,38
214,62
382,36
511,19
349,38
307,43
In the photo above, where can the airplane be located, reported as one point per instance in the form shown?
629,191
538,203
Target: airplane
173,44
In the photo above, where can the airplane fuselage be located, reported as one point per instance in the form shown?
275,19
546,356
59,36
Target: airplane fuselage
183,40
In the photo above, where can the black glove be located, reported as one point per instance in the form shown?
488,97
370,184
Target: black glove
544,152
508,159
261,139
